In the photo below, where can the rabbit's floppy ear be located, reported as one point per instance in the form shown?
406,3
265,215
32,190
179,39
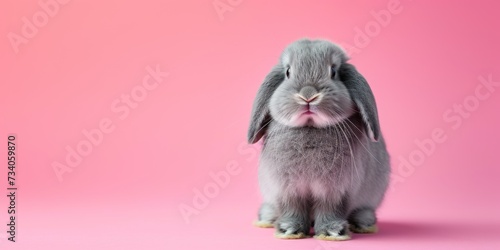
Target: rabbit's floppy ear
260,112
362,97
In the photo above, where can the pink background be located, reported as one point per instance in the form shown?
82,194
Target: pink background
126,193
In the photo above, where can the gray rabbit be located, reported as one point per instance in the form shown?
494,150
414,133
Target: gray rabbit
324,161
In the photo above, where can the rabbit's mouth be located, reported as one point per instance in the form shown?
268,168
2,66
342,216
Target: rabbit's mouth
308,112
308,117
314,116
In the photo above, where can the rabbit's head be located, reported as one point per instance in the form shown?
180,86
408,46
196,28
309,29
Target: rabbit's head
311,93
313,86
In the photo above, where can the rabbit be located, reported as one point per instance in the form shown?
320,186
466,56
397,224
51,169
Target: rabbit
324,162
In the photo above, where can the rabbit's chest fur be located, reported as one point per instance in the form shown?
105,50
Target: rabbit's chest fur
311,160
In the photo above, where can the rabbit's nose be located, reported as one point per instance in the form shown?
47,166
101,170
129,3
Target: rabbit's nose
308,94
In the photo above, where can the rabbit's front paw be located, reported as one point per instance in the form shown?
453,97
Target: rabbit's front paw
291,228
334,230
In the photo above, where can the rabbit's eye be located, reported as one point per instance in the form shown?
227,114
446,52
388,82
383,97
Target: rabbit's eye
288,72
334,71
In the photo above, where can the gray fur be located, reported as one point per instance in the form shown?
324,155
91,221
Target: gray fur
331,167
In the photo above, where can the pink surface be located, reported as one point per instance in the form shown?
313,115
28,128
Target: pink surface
69,73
